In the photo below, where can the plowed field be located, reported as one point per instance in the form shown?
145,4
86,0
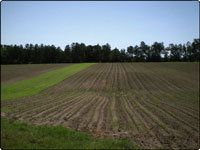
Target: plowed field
153,104
14,73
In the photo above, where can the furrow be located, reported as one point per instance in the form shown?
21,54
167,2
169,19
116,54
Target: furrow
45,112
59,116
75,118
43,107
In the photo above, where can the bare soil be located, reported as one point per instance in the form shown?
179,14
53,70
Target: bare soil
154,105
14,73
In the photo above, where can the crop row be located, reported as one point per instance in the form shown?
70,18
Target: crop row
117,101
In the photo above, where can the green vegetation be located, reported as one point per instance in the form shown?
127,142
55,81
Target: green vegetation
139,103
23,136
36,84
79,52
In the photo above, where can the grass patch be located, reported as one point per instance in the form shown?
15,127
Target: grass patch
23,136
6,109
36,84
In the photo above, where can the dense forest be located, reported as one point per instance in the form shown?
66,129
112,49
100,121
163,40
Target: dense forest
77,53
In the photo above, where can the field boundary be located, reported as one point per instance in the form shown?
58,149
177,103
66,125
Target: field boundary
36,84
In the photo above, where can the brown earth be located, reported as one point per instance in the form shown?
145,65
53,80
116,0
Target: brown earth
14,73
156,105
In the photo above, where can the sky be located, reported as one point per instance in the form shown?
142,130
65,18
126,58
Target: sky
119,23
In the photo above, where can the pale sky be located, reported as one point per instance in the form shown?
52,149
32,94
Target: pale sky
119,23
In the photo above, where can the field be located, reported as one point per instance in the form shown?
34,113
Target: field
13,73
17,135
36,84
155,105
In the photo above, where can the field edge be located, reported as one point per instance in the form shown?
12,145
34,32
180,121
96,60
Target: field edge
22,135
36,84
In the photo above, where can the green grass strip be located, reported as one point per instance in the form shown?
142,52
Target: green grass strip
36,84
16,135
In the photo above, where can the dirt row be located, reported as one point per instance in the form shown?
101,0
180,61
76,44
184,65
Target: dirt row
14,73
152,107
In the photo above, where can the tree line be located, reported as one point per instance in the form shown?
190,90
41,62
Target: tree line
78,53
